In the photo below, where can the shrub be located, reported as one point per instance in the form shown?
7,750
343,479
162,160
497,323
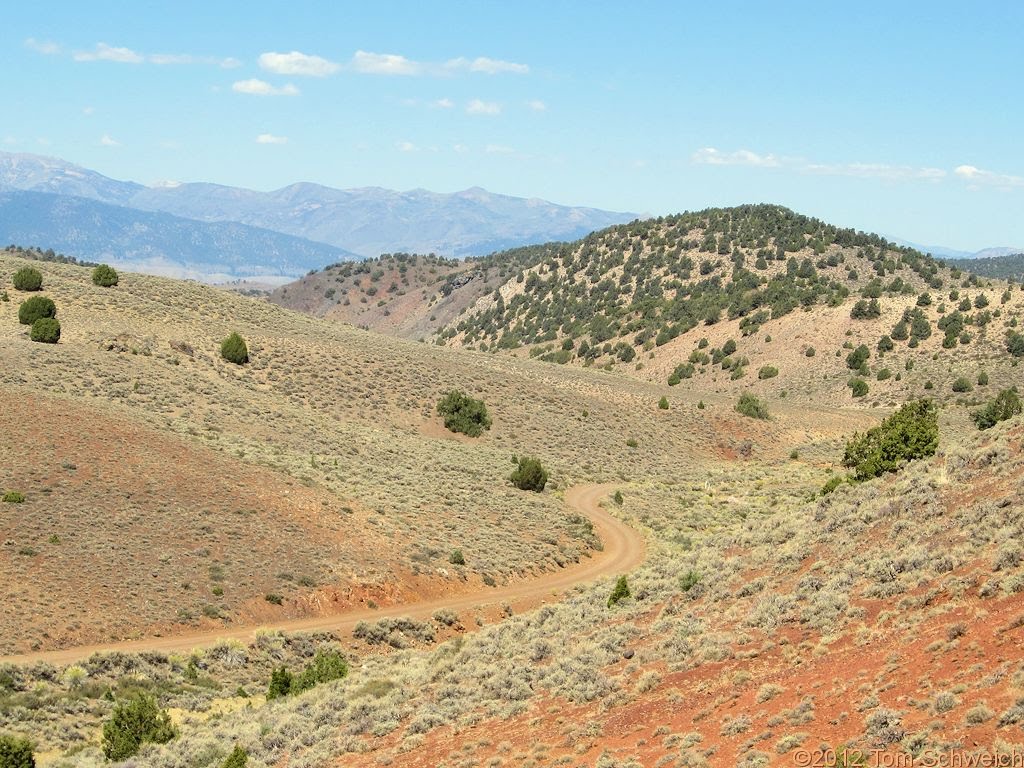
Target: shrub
237,759
133,723
910,433
865,310
28,279
1015,344
34,308
325,666
234,350
663,403
464,414
982,379
750,406
14,497
45,330
858,358
1005,405
280,683
617,498
859,387
810,352
619,592
456,557
16,752
767,372
632,442
962,385
104,276
832,484
688,580
529,475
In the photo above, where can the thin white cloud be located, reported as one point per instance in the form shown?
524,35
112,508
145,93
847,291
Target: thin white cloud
255,87
460,148
498,149
107,141
537,105
296,63
877,171
45,47
188,58
712,156
269,138
444,103
88,111
978,177
406,146
384,64
10,140
478,107
486,66
369,63
882,171
104,52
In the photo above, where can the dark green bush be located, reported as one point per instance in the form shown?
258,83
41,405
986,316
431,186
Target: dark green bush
910,433
28,279
688,580
663,403
529,475
464,414
856,359
619,592
1015,344
859,387
456,557
45,330
16,752
133,723
237,759
750,406
810,352
14,497
34,308
234,350
962,385
326,665
1003,406
104,276
767,372
280,683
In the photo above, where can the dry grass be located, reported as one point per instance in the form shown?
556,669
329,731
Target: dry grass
900,596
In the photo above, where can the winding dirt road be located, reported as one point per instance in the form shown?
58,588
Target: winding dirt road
624,549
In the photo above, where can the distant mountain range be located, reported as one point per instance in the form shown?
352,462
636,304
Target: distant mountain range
942,252
353,222
157,243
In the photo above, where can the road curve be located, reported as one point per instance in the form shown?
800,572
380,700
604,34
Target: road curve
624,549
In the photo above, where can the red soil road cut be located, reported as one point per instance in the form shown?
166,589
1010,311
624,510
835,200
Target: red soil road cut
624,549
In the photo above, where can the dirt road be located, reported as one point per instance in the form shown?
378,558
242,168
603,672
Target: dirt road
624,549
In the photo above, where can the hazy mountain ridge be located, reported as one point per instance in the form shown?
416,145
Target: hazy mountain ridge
367,221
154,242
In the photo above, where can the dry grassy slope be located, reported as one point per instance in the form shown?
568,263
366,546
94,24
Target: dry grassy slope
821,379
405,297
887,615
343,414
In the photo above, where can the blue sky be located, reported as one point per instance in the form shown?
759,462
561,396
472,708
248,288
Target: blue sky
903,118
